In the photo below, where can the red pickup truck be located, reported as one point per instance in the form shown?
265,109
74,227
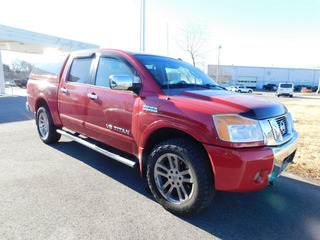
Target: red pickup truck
189,136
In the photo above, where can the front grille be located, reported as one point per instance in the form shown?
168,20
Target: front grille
282,124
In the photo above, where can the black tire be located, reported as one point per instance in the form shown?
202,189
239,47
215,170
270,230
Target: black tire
180,176
250,91
46,127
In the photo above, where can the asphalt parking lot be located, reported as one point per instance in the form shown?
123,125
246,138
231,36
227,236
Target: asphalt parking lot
66,191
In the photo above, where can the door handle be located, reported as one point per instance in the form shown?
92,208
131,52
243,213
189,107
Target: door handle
92,96
64,90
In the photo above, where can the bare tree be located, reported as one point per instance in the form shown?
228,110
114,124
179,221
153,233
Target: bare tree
193,39
21,68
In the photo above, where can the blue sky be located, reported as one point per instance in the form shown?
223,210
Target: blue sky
252,32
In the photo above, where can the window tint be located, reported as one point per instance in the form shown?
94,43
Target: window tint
168,71
108,67
286,85
80,70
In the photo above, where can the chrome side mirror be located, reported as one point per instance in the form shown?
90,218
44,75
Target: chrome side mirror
121,82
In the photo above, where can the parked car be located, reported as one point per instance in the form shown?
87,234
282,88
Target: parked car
188,136
241,89
285,89
21,82
314,88
270,86
10,83
298,88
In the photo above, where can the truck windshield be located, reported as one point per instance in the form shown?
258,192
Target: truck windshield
174,73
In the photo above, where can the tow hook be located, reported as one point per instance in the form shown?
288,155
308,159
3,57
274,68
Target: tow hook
272,178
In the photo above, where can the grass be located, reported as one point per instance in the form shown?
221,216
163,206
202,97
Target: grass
306,118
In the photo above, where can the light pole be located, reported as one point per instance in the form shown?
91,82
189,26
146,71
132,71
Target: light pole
142,25
218,65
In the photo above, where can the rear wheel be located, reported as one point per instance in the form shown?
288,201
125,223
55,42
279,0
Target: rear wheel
46,127
180,176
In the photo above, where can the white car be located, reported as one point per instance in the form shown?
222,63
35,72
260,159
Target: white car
242,89
285,89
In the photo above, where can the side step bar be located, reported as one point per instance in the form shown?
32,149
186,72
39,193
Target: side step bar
94,147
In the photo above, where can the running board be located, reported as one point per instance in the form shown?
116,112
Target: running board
94,147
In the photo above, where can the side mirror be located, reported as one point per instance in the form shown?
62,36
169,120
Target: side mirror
121,82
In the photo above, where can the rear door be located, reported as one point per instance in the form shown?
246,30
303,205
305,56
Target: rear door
73,99
111,113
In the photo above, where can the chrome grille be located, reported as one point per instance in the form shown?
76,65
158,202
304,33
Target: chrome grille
282,124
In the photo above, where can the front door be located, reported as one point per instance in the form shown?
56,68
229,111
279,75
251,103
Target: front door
110,113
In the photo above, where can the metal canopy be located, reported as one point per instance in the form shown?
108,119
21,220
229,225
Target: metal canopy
19,40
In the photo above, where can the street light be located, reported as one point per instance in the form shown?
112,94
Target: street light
217,77
142,25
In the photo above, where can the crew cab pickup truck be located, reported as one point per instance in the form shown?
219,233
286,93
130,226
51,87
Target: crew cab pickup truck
188,136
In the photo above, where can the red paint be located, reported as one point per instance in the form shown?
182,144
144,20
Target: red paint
234,164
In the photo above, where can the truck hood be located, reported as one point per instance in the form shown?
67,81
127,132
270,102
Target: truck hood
245,105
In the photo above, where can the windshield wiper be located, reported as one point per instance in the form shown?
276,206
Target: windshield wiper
208,86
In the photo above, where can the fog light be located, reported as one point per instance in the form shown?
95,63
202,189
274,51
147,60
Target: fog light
258,179
257,176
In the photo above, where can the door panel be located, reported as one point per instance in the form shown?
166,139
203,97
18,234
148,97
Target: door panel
73,99
110,114
110,117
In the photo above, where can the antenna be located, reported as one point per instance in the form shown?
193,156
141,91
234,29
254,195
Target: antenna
168,95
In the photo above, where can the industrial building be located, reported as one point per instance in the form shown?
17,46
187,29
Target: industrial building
256,77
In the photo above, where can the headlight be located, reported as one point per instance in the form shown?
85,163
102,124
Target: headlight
234,128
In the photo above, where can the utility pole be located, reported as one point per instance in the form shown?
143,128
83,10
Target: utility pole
142,25
218,65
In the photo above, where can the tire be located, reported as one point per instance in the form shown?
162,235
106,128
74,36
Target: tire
180,177
46,127
250,91
291,96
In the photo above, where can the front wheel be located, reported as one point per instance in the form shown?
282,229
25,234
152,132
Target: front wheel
46,128
180,176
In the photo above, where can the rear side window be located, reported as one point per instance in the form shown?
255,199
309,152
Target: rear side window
286,85
108,67
80,70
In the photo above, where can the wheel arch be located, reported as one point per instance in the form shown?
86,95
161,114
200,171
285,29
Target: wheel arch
42,101
162,134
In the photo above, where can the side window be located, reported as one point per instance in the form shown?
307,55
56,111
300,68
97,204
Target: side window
80,70
108,67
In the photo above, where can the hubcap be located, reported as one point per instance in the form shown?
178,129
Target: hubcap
174,178
43,125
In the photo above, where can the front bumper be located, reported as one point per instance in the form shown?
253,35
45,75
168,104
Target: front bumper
283,156
249,169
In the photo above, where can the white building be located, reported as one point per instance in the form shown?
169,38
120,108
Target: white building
20,40
256,77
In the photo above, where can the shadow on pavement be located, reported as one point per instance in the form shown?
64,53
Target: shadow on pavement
13,109
119,172
289,210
